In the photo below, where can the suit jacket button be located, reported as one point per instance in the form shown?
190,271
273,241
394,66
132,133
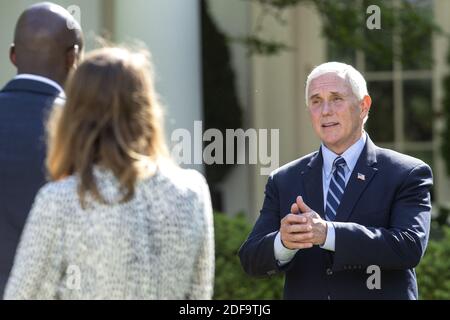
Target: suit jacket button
329,272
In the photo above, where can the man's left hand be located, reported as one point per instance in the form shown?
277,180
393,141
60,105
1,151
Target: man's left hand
318,225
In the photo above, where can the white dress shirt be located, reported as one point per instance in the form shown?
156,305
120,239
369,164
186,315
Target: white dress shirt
351,156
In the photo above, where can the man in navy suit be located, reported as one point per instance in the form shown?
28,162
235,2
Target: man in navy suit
350,221
47,45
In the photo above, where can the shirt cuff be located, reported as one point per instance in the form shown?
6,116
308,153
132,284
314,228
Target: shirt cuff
283,255
330,241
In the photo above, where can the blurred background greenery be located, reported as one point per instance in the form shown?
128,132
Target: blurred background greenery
231,282
433,272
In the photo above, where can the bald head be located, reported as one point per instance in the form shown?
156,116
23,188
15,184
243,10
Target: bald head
47,42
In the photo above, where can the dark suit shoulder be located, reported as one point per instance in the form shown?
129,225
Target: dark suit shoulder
295,165
397,161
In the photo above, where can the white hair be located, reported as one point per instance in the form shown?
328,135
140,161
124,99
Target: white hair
352,76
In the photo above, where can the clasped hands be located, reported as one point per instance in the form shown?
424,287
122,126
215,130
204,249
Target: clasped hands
303,227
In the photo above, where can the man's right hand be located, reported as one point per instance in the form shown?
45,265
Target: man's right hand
295,231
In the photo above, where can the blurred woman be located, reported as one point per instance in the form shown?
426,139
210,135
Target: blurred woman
118,220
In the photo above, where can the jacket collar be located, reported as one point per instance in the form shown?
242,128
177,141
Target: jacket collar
34,86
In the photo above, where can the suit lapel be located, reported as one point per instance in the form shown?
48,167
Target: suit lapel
360,178
312,183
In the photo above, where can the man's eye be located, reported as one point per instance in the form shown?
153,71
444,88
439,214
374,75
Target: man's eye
337,99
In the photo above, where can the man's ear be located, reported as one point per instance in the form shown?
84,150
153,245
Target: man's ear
365,106
72,58
12,55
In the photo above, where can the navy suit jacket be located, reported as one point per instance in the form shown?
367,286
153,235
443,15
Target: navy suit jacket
382,220
24,106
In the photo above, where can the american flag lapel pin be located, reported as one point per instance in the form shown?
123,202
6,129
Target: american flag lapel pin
361,177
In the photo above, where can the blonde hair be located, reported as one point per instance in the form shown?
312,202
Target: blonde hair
111,118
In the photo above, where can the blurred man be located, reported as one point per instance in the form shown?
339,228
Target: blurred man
47,45
350,221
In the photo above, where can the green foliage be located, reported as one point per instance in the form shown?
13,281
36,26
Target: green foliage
255,43
230,281
279,4
433,272
446,112
260,46
345,23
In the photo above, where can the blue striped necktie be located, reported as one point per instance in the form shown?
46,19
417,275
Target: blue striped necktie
336,189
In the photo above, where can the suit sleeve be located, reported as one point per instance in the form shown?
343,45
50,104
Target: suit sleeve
257,253
38,265
403,243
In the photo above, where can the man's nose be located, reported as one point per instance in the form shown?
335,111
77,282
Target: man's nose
326,108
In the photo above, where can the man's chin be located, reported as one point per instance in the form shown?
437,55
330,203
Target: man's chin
333,144
330,141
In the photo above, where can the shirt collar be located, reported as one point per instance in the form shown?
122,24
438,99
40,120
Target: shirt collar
350,155
40,79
